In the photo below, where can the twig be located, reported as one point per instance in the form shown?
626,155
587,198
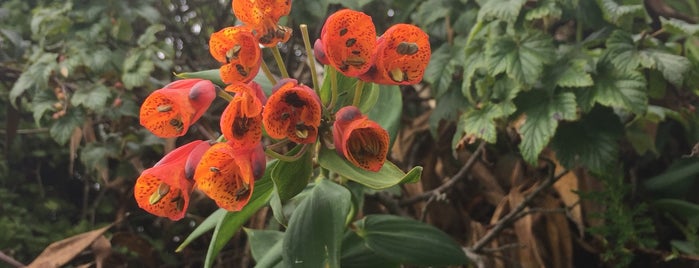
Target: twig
449,183
502,248
9,260
513,215
391,204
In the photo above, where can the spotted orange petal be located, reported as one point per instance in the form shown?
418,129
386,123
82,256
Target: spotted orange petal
349,41
402,54
164,189
241,121
225,175
360,140
169,111
292,111
255,12
238,49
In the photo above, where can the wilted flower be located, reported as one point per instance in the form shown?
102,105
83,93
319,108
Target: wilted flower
169,111
292,111
347,42
163,190
402,54
360,140
238,50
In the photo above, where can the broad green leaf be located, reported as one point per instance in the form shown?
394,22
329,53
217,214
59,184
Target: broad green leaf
63,128
677,26
290,178
686,247
91,98
440,70
231,222
574,75
505,10
430,11
315,230
547,8
386,177
480,123
681,208
42,101
370,95
408,241
543,114
272,258
615,12
137,68
36,76
673,67
148,37
205,226
676,180
261,241
618,89
215,77
355,254
521,57
388,110
592,142
622,51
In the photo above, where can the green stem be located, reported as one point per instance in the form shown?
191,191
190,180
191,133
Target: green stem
280,61
311,57
358,90
268,73
287,158
221,139
223,94
332,74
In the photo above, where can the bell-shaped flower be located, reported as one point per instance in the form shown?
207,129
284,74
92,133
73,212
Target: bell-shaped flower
238,50
164,189
360,140
227,175
263,17
402,54
241,121
348,41
169,111
292,111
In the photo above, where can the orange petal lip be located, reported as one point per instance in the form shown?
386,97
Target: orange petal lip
255,12
225,175
169,111
167,181
402,54
292,111
241,121
349,42
360,140
237,48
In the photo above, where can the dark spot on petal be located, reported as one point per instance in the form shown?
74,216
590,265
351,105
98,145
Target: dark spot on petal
293,99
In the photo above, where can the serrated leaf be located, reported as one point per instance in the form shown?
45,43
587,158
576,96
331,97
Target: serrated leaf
36,76
505,10
574,75
547,8
386,177
591,141
475,59
290,178
614,12
42,101
521,57
480,123
62,129
543,114
440,70
619,89
148,37
94,98
409,241
621,51
430,11
673,67
315,230
677,26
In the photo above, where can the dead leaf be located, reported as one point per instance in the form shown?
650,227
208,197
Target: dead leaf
101,248
61,252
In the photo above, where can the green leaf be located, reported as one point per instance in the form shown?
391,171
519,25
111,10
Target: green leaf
622,51
94,98
409,241
677,26
547,8
543,114
591,141
315,230
619,89
574,75
614,12
290,178
261,241
148,37
370,95
272,257
673,67
480,123
676,180
440,70
63,128
208,224
231,222
42,101
386,177
681,208
36,76
213,75
505,10
137,68
521,57
476,58
355,254
388,110
429,12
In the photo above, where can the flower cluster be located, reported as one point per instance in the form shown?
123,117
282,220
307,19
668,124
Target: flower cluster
226,170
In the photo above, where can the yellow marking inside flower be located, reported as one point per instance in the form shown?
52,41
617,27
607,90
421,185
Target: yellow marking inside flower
397,75
232,54
164,108
162,190
407,48
301,131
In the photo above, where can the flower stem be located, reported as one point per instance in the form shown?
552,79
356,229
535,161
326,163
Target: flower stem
268,73
287,158
333,87
310,56
223,94
280,61
358,89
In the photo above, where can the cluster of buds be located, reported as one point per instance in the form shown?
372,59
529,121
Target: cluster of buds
226,171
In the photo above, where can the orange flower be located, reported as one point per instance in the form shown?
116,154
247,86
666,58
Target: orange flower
402,54
227,175
163,190
361,141
238,50
292,111
241,121
169,111
348,41
263,16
